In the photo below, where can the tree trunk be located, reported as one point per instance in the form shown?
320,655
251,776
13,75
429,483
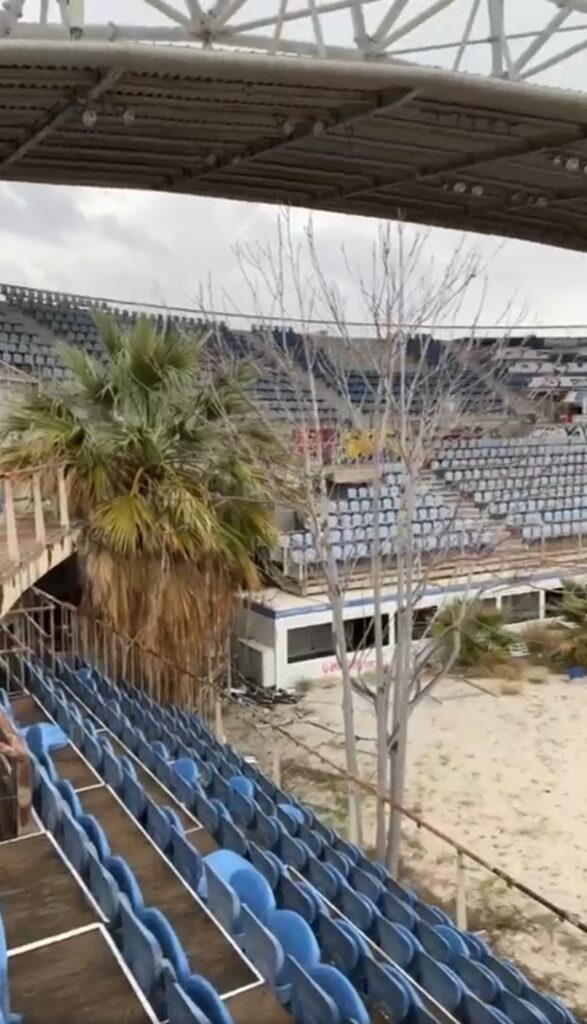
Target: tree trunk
355,826
401,695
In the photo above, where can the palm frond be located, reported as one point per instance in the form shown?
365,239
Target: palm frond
124,525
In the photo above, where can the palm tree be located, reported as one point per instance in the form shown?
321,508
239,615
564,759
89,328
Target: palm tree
469,630
171,474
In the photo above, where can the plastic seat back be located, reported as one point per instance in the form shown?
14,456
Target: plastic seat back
186,859
361,911
181,1009
345,997
223,902
254,892
140,950
387,992
297,940
267,864
294,852
51,802
158,825
112,771
480,1013
75,843
70,797
477,978
519,1010
242,806
95,834
134,797
126,882
309,1001
103,887
262,947
440,982
206,998
170,945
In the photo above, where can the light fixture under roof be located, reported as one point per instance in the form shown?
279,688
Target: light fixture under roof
89,117
477,191
459,187
573,163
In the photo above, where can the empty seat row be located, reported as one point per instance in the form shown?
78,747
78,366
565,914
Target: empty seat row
457,967
237,893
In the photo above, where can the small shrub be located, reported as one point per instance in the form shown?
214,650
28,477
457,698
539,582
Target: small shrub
511,687
500,664
547,643
537,675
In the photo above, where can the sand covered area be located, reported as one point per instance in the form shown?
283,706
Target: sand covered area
504,775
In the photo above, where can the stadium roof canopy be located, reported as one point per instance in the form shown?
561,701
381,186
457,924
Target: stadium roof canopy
363,136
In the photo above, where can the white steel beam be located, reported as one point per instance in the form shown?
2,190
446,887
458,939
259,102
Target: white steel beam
209,23
496,28
317,28
540,40
294,15
170,12
571,5
194,9
228,11
475,5
279,23
395,11
358,19
558,58
415,22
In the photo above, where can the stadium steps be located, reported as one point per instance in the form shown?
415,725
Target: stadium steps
208,947
435,484
297,375
507,540
31,325
513,401
316,860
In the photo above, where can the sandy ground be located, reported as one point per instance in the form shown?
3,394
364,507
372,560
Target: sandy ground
504,775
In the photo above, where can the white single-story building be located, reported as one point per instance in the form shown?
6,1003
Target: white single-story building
283,639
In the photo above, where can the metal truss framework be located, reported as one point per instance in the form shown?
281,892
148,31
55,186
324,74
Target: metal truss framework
369,30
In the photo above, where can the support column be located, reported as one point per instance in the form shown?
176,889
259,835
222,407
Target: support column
63,502
40,533
10,516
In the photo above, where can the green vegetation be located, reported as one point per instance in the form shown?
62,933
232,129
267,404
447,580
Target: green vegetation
476,631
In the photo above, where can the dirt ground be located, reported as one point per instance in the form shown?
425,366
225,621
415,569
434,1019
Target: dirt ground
506,775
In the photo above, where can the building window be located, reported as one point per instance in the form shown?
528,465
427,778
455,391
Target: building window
309,642
421,623
360,633
553,602
521,607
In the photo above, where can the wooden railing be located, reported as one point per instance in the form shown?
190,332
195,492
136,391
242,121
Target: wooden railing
35,511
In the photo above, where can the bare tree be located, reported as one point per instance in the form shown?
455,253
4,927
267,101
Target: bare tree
388,401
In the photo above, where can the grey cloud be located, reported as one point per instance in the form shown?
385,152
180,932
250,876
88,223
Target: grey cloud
165,248
39,213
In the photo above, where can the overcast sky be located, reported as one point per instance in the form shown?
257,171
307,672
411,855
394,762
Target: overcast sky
147,247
